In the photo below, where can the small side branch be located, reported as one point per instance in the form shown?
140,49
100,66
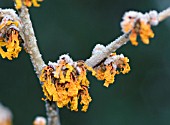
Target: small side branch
112,47
164,14
96,58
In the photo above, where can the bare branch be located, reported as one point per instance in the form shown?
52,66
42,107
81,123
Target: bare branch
52,113
30,42
112,47
164,14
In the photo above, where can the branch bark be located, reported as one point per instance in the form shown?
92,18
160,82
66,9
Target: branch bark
30,44
112,47
52,112
164,14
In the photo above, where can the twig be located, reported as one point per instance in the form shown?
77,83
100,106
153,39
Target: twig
113,46
52,113
164,14
31,46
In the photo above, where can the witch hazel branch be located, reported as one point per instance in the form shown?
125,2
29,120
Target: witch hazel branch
64,82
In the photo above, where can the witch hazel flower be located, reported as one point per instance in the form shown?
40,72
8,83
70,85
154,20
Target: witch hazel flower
112,65
27,3
139,24
65,82
10,39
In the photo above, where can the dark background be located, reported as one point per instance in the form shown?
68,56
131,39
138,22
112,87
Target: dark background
75,26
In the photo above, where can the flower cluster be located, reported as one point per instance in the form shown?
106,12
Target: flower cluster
9,37
114,64
65,82
27,3
139,24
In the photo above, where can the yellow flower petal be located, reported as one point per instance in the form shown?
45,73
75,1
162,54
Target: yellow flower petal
133,37
64,84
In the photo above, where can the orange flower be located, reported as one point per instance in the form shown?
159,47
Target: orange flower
9,37
27,3
139,24
144,31
85,99
65,82
133,38
114,64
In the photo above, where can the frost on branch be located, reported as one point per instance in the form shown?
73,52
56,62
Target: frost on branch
27,3
139,24
114,64
65,82
10,39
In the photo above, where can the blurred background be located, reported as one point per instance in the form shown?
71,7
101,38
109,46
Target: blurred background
75,26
